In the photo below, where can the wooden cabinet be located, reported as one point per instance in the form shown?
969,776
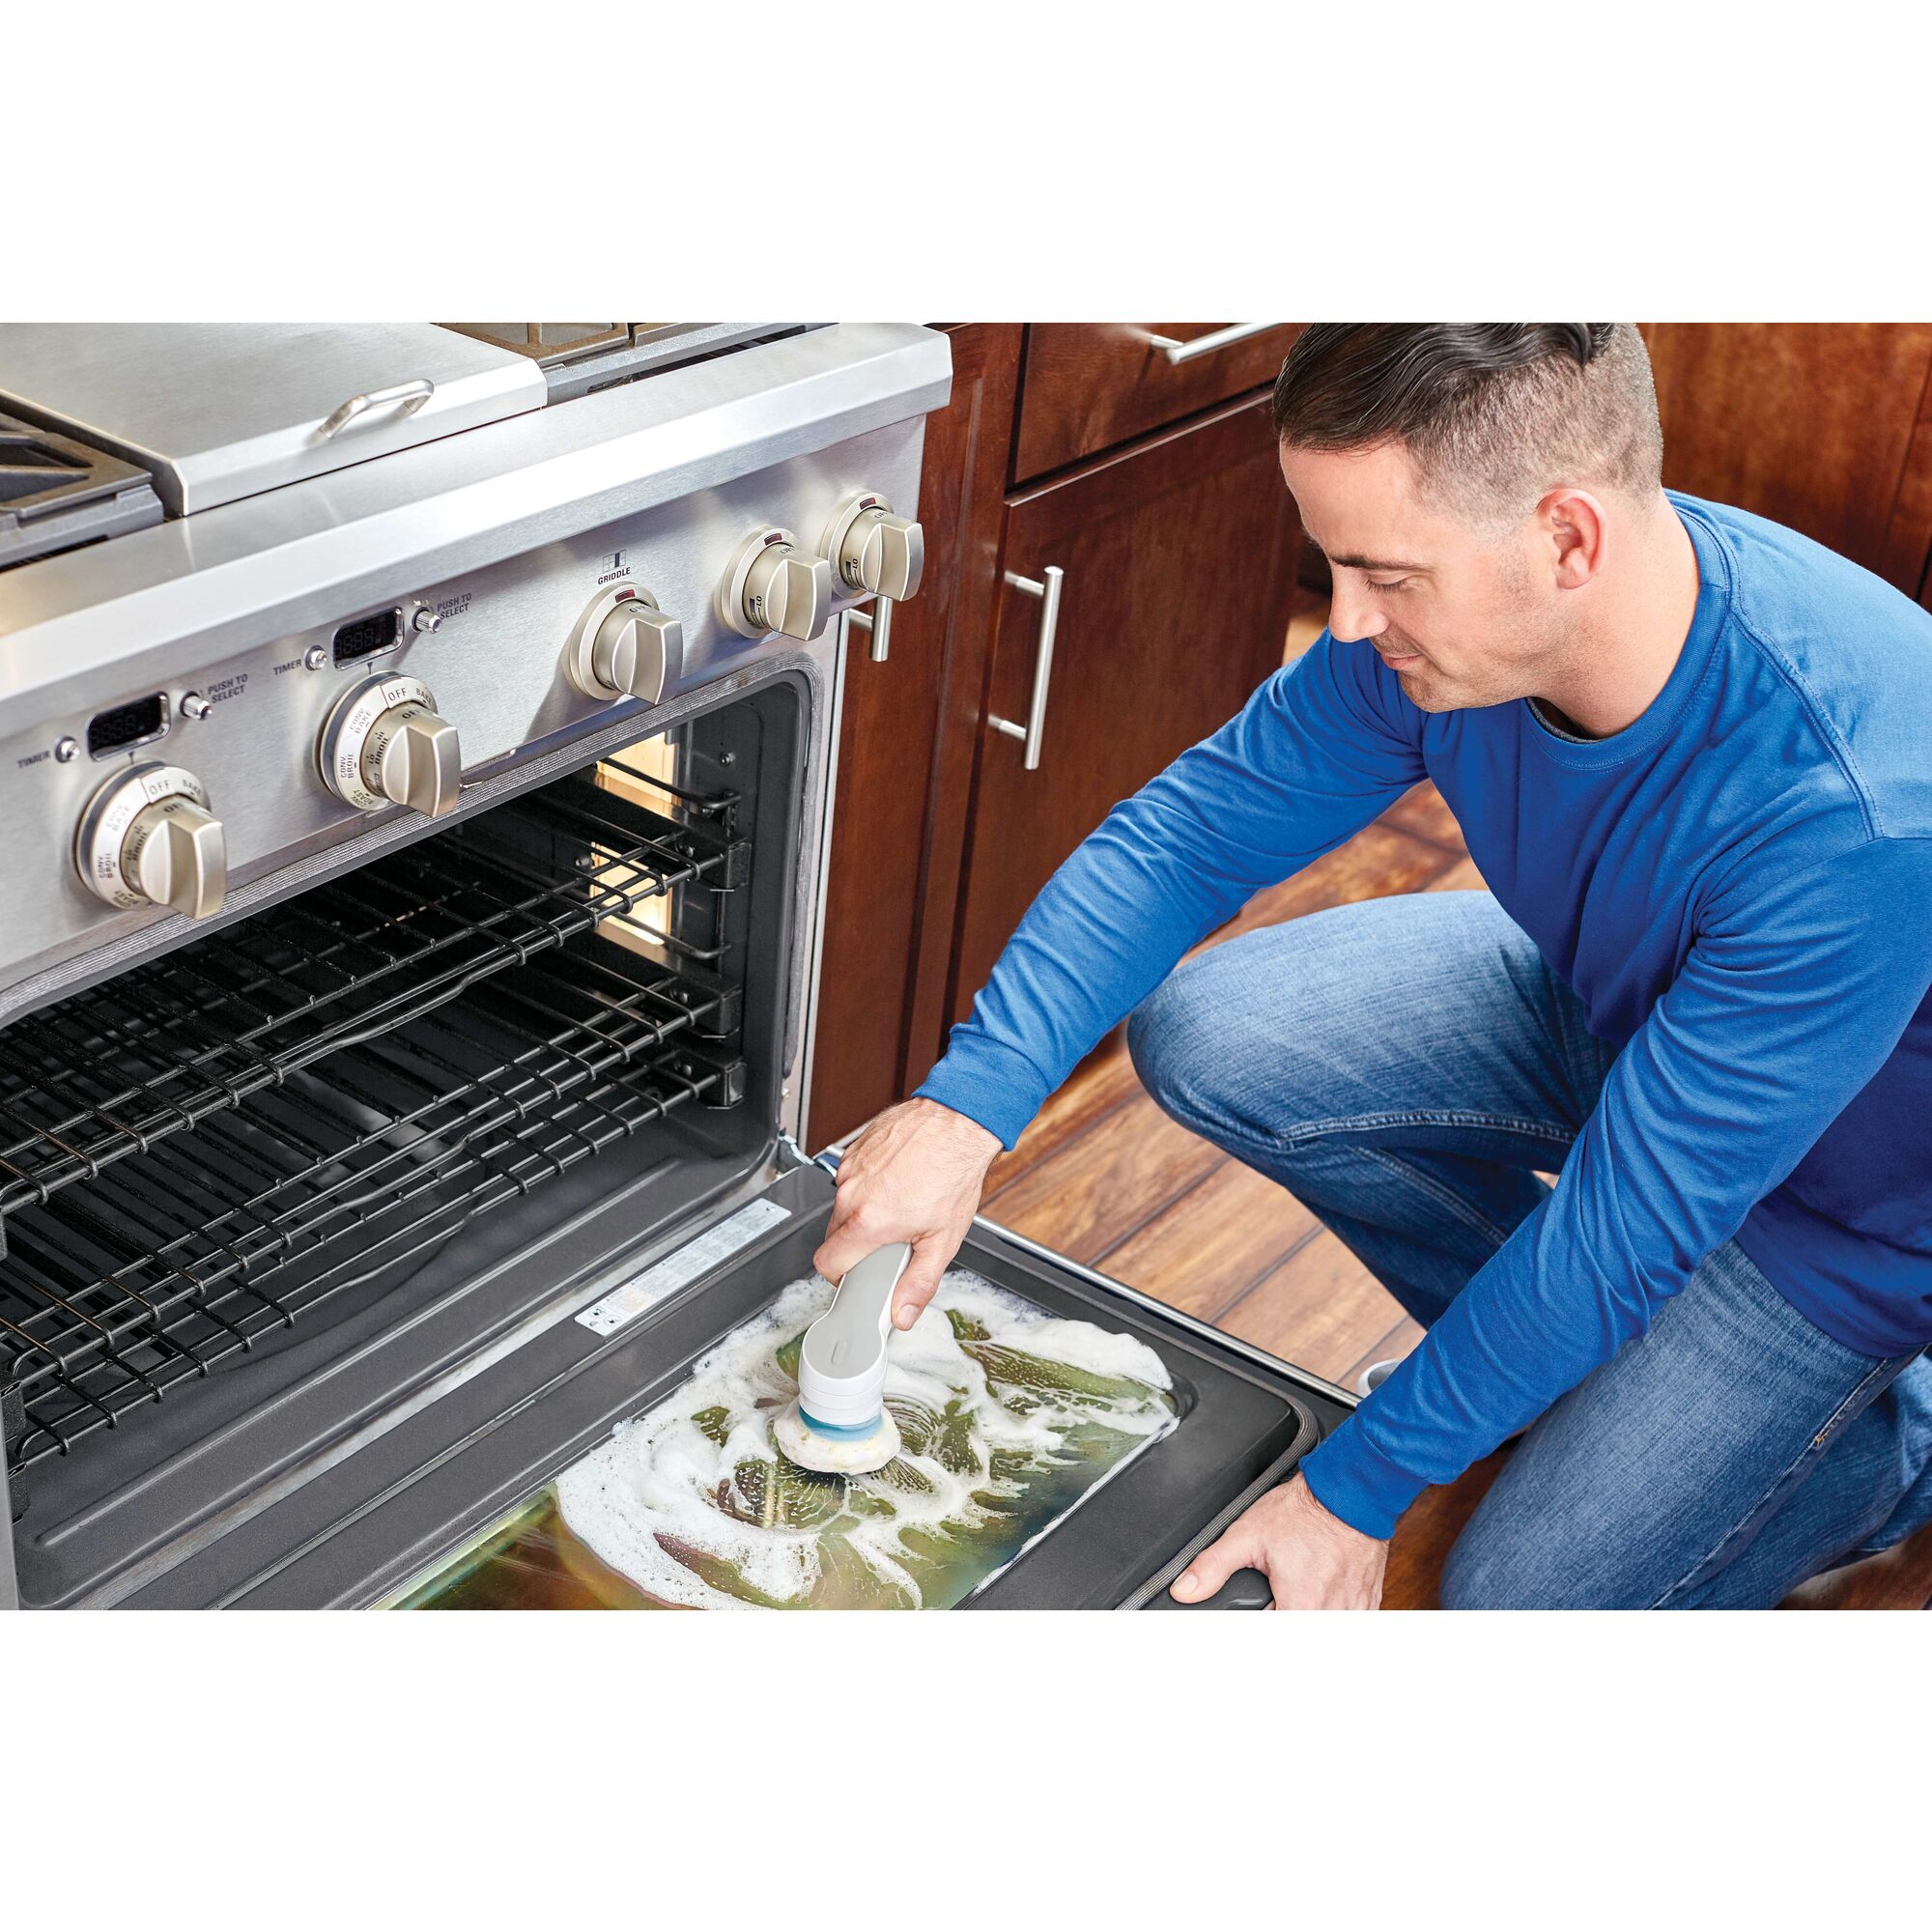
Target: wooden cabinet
1179,545
905,761
1179,557
1826,427
1822,426
1090,387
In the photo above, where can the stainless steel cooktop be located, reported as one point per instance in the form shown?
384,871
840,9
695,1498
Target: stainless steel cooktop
110,426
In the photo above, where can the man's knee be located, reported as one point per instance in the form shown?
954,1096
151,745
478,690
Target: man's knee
1240,1039
1176,1049
1488,1571
1207,1047
1504,1562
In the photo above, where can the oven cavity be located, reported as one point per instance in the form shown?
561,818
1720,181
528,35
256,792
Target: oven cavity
125,725
369,637
269,1126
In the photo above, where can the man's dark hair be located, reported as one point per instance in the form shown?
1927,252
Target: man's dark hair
1494,413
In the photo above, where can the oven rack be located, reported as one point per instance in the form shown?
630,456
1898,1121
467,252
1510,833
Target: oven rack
194,1249
113,1072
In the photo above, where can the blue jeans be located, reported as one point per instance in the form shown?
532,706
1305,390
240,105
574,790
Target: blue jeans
1404,1067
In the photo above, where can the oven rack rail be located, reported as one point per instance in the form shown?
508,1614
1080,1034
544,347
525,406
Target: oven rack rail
114,1071
197,1248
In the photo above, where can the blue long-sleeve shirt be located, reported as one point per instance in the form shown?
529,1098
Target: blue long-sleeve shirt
1737,887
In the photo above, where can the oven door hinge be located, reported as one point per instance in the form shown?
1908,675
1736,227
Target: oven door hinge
791,1157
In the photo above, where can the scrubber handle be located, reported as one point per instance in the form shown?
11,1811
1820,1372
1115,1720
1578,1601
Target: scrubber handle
848,1340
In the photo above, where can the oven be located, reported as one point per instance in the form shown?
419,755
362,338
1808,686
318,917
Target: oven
414,859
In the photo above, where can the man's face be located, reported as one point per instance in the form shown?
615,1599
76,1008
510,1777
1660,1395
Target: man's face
1462,616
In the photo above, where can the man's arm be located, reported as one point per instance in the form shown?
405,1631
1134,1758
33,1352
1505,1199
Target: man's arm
1318,751
1790,1000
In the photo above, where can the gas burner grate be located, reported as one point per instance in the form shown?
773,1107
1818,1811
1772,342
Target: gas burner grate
57,494
110,1074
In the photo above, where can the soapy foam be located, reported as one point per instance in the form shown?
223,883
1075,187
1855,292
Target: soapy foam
698,1485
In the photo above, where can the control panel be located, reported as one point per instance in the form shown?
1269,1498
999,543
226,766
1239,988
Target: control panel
394,707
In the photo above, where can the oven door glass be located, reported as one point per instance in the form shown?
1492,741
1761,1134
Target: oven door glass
1009,1418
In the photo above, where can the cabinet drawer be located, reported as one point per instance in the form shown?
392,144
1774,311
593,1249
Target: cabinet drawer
1089,386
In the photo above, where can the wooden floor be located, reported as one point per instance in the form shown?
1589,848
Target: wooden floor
1104,1176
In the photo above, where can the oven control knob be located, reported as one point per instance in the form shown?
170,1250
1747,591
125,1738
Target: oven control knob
625,646
385,745
776,584
147,837
873,553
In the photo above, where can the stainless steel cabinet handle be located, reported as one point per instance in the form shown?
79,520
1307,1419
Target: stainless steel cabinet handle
1048,593
412,395
1178,352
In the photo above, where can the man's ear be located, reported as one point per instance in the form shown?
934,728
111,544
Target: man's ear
1578,535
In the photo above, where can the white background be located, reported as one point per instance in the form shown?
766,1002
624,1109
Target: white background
356,160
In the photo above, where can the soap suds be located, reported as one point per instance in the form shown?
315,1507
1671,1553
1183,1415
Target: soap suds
1006,1411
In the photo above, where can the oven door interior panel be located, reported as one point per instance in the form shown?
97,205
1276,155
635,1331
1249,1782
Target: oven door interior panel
389,1513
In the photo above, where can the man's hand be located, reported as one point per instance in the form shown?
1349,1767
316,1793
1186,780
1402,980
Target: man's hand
915,1174
1313,1561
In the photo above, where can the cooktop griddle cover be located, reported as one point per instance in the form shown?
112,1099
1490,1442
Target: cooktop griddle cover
219,410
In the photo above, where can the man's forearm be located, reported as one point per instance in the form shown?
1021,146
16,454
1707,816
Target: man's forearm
1105,931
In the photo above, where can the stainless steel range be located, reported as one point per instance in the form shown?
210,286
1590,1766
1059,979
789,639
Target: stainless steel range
414,753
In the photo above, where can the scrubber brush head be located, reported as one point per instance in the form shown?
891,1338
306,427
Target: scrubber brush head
839,1423
854,1451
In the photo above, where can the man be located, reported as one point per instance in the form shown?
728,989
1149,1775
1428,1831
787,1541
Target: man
1692,753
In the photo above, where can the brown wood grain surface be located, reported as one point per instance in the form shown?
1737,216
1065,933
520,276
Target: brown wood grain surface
1179,581
1214,1243
1319,1309
1091,385
988,356
1460,877
1909,541
905,755
1096,1191
1380,860
1425,814
1807,423
1104,1081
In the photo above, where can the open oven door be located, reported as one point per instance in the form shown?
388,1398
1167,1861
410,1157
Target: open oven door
456,1505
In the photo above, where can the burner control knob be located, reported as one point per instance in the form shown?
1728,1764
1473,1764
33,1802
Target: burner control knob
147,837
772,584
874,555
385,745
625,646
874,552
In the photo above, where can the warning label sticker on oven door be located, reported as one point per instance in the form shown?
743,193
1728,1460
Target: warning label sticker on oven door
686,1264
